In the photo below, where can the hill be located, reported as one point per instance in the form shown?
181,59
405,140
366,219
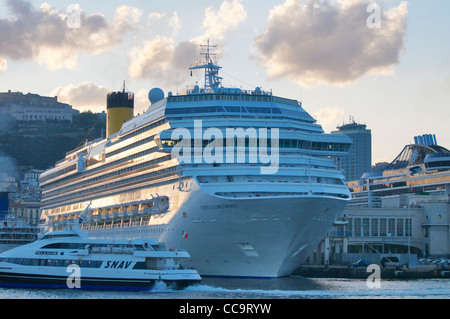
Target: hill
41,144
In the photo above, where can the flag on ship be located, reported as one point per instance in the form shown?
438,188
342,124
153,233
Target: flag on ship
184,234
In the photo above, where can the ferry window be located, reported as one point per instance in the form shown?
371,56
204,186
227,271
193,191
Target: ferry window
34,262
140,265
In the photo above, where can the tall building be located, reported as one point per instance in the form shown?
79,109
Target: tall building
359,158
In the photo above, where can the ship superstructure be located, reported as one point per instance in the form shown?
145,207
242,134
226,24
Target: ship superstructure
248,175
419,168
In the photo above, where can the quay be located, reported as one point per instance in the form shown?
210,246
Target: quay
340,271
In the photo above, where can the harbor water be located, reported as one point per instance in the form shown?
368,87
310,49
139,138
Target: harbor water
284,288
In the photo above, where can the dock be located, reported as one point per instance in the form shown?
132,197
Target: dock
338,271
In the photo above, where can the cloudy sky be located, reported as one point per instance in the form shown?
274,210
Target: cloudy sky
385,63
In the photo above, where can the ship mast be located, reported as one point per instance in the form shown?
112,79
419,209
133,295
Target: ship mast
212,78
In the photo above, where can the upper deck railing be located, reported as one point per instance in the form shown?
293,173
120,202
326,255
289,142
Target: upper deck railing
197,95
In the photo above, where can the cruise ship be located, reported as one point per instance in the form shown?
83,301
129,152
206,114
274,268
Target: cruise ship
245,175
421,168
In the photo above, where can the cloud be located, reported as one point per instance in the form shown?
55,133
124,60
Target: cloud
323,42
162,60
329,116
141,102
174,22
3,64
83,96
90,96
56,37
226,19
166,24
156,16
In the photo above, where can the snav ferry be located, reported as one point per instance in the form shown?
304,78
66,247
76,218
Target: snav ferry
71,259
251,207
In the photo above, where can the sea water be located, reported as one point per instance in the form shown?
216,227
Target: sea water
284,288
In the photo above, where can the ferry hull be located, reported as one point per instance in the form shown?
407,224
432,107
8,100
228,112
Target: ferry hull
255,237
48,281
29,280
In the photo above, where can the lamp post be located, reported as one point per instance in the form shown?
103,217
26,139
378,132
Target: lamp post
409,226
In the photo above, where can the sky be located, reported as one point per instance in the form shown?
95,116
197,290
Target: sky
383,63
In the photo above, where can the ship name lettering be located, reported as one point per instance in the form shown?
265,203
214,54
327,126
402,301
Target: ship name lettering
208,207
46,253
117,264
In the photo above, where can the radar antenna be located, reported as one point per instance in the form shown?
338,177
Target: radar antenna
212,78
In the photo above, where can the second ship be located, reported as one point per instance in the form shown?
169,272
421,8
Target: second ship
166,173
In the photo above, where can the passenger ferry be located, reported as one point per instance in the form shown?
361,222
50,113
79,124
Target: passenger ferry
70,259
252,207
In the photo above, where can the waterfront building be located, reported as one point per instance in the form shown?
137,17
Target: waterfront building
405,208
27,210
33,107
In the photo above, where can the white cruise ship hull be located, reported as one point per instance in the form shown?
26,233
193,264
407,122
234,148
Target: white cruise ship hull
251,237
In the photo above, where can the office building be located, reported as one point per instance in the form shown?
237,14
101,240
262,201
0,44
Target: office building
359,158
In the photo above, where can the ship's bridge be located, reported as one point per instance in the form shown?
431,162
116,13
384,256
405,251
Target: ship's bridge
230,102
